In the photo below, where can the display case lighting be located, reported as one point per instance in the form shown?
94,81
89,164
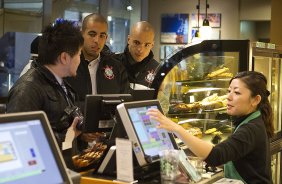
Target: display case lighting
203,89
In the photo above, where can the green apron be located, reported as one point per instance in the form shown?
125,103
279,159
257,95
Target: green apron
229,168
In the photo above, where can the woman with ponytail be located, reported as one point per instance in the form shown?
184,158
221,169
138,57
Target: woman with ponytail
245,154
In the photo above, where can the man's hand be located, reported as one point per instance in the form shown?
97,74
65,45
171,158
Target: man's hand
73,126
95,136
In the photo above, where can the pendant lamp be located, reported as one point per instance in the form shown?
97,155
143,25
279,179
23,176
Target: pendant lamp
205,29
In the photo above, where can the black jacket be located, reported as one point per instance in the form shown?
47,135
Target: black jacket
38,89
139,72
111,78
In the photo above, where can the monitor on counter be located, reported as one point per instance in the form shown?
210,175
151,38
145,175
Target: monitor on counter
100,111
143,94
28,151
141,130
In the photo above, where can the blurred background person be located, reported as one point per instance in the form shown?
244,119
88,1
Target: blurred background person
33,55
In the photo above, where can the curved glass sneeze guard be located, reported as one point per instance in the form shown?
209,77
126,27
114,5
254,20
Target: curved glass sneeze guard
195,78
204,66
193,84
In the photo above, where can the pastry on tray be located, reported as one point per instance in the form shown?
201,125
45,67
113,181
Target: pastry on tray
217,72
195,131
89,156
184,108
210,131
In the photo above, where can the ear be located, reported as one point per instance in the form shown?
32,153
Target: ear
64,58
153,43
128,38
256,100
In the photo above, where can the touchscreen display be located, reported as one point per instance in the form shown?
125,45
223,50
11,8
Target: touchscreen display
25,154
151,138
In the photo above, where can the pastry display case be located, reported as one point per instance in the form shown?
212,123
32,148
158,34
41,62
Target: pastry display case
192,86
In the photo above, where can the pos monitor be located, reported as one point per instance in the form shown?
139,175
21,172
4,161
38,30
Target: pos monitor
100,111
28,150
147,140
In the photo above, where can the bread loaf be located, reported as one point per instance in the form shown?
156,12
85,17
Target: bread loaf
217,72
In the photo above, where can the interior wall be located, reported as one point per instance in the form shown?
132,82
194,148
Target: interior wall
255,10
1,23
229,9
276,23
263,29
59,7
248,30
16,21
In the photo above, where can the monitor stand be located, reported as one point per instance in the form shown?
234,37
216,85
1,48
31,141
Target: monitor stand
108,167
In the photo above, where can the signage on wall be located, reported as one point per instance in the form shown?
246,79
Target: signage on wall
174,28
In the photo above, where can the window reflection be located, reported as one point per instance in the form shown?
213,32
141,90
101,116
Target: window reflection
24,5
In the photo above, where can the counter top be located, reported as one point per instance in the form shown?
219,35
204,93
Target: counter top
93,179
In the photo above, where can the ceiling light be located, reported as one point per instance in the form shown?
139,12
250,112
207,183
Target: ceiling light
129,8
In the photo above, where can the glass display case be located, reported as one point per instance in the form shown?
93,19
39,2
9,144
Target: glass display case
266,58
192,86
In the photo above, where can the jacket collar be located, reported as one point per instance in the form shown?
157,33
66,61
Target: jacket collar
131,61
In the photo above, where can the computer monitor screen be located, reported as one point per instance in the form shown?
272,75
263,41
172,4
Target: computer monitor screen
147,139
143,94
100,111
28,152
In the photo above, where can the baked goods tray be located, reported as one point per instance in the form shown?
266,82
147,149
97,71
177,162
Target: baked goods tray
204,80
218,109
198,112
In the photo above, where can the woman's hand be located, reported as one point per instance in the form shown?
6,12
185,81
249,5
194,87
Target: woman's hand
199,147
163,121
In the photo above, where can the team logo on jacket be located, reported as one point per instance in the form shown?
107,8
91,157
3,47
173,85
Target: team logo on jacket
150,76
109,74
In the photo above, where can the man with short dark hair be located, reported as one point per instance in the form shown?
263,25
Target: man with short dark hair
43,87
97,74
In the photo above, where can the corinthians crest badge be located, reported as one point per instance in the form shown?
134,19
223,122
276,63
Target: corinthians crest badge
150,76
109,74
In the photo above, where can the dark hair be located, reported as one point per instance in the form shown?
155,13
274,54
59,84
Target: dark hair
95,17
257,84
62,36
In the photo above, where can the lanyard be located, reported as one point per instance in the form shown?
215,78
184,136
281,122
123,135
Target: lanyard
252,116
65,92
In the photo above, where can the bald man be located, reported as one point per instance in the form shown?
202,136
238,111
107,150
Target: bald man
137,57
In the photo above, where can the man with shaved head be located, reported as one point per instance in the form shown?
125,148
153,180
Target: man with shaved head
137,57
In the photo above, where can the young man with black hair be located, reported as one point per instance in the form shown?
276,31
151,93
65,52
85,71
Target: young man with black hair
43,87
